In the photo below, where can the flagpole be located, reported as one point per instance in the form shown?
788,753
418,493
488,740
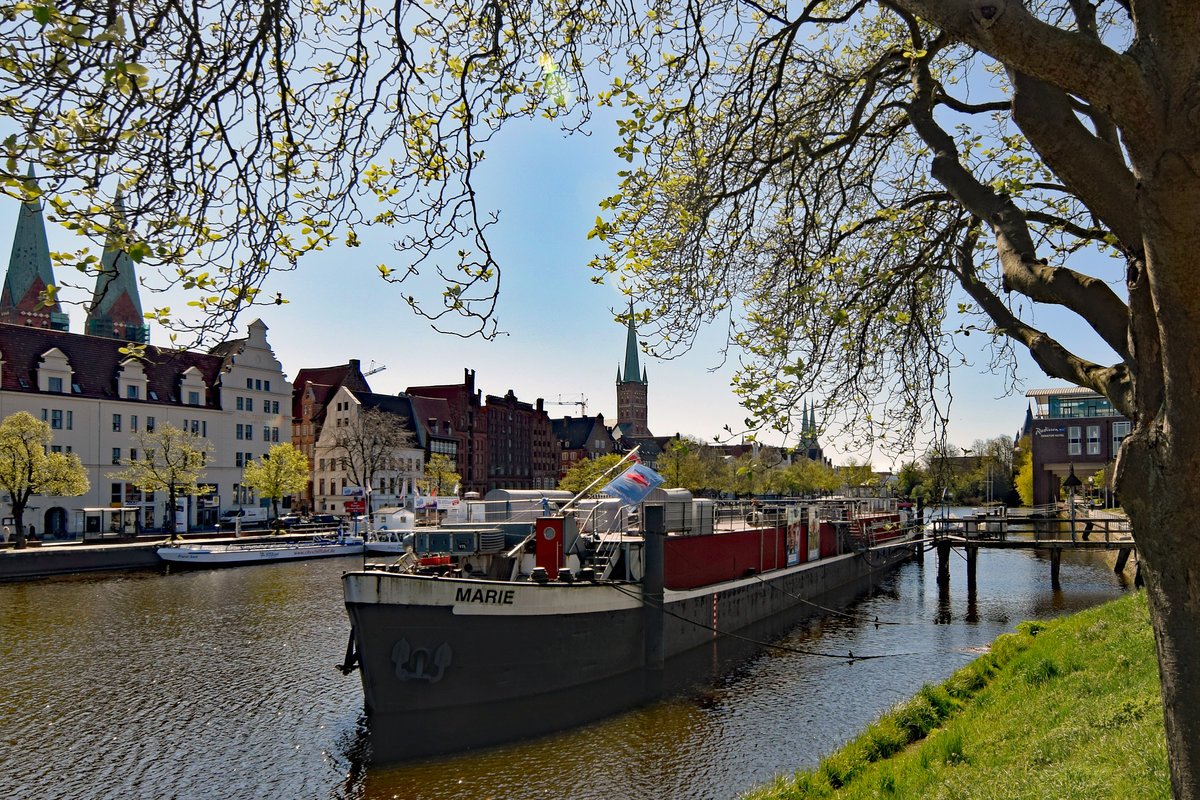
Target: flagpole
601,477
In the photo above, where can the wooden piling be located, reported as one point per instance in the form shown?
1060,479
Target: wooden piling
1122,559
1055,563
943,577
972,562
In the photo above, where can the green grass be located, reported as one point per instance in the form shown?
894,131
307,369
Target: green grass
1062,709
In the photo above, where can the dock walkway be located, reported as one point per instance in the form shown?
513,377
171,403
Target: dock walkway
1050,528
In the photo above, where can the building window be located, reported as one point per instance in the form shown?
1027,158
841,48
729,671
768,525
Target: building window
195,427
193,398
115,494
204,428
117,423
1119,431
267,434
131,392
1074,440
56,448
55,385
249,383
258,384
1093,440
237,459
321,485
133,422
149,424
274,406
56,419
70,422
266,386
249,403
240,404
238,434
249,432
133,454
116,455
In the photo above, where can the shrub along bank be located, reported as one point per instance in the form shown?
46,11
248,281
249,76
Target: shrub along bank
1063,709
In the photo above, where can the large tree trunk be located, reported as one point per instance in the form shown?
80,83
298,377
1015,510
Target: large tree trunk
1159,467
1161,500
19,540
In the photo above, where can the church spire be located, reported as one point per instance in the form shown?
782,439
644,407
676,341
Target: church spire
632,371
632,390
116,309
30,272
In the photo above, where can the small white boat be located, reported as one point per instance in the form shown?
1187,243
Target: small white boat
389,542
221,555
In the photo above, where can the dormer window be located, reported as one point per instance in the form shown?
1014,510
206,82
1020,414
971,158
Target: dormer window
54,385
131,392
193,398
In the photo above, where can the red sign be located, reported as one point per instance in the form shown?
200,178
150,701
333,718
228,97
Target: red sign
356,506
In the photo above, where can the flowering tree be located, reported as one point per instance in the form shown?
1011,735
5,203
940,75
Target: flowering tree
27,467
283,471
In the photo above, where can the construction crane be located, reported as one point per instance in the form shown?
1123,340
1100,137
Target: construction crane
581,402
374,369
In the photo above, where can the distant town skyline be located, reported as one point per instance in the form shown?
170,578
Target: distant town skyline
560,341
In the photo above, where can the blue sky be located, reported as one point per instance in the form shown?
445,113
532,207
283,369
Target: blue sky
561,339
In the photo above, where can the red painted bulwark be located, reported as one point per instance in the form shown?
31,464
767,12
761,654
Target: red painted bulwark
693,561
828,540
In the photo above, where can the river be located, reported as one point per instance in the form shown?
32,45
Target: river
221,684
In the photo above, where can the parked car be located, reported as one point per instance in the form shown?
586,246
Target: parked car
324,520
251,517
288,521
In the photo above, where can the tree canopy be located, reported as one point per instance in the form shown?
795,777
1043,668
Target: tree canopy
170,460
28,467
282,472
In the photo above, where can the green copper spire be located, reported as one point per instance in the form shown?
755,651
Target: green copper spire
116,309
633,372
30,272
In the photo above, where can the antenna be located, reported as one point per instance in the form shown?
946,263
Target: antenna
374,369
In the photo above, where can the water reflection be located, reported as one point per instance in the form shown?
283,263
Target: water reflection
218,684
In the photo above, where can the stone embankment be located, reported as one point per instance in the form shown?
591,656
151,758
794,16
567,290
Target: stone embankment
44,559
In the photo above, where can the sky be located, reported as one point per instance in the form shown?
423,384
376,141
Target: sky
561,342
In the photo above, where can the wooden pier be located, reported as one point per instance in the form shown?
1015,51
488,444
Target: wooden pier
1053,528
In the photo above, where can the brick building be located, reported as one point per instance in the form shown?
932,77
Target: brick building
1072,427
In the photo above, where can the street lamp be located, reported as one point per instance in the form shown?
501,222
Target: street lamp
1072,482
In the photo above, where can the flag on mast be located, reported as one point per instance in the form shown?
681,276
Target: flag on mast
634,484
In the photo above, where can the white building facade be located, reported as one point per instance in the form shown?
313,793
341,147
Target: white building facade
333,482
97,401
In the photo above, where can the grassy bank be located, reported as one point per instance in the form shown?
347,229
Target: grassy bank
1062,709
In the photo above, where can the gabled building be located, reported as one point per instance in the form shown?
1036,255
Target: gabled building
396,472
312,391
97,400
581,438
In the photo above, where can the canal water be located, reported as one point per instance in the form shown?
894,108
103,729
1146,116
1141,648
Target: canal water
221,684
